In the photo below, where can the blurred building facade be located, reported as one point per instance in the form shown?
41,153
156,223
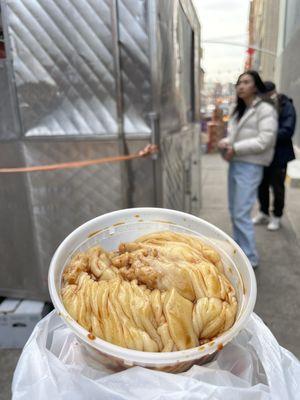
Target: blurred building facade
263,34
274,27
288,56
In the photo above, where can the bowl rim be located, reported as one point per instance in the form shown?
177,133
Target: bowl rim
130,356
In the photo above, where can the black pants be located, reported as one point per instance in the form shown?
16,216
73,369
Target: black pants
273,177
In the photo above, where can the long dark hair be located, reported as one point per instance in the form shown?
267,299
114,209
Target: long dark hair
260,86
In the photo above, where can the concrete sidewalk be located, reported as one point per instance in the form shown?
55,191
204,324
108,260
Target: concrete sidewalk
278,276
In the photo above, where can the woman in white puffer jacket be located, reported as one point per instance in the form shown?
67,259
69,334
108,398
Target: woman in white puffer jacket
249,147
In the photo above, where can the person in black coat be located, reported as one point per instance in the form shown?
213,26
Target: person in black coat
274,175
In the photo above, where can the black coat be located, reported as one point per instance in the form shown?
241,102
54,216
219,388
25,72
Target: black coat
284,151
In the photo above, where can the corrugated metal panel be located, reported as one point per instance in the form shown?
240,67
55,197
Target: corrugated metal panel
38,210
63,64
173,172
179,139
185,65
19,272
142,183
8,127
135,65
62,200
168,98
181,171
176,20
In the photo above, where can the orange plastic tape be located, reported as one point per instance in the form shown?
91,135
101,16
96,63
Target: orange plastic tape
148,150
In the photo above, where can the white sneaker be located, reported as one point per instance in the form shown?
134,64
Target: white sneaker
260,219
274,224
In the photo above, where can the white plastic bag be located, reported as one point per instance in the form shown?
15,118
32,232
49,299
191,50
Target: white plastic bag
54,365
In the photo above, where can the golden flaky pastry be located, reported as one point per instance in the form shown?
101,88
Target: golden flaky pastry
164,292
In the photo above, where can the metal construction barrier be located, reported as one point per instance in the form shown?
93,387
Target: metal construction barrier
84,82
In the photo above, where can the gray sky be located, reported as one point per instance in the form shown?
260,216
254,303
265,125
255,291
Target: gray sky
227,20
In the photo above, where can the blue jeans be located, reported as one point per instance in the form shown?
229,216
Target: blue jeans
243,181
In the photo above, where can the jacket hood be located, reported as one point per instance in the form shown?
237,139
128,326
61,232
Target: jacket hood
283,98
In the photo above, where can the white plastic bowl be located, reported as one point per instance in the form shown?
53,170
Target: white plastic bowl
109,231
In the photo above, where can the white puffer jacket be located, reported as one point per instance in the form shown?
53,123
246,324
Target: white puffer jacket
253,137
